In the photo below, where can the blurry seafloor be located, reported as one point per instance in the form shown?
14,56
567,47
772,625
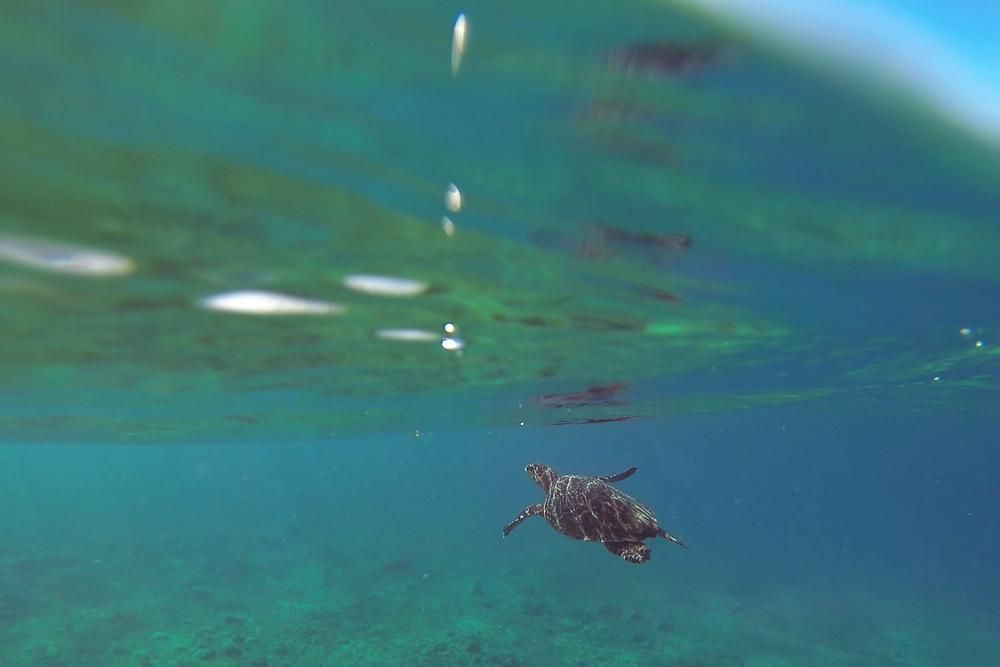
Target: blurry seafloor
811,544
783,283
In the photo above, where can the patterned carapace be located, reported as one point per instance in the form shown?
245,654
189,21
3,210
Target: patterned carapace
591,509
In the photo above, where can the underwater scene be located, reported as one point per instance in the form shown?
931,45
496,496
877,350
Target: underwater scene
642,333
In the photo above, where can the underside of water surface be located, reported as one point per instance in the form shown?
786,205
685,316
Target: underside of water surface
651,201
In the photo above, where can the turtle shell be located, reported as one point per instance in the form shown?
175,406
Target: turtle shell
587,508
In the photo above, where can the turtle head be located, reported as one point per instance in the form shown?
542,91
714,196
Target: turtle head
542,474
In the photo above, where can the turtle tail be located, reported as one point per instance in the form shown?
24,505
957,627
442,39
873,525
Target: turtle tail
664,534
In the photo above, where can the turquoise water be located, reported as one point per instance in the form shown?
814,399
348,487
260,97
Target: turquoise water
770,286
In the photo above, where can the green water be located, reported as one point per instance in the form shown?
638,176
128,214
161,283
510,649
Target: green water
257,147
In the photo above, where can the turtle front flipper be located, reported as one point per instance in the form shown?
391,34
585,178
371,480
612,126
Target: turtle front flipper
633,552
530,510
620,476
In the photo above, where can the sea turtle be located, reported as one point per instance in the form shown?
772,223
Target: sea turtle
591,509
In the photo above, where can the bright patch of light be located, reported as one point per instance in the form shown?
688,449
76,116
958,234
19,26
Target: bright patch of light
453,344
870,41
458,38
407,335
63,257
448,226
384,285
254,302
453,198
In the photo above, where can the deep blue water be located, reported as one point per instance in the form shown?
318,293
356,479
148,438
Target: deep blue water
881,518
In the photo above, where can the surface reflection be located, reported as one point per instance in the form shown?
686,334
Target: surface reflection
60,257
254,302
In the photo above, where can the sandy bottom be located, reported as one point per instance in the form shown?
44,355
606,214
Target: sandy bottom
327,604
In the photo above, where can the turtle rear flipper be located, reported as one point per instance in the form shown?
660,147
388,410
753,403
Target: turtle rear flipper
633,552
673,539
530,510
620,476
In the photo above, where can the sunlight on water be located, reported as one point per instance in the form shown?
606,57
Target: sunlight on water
63,258
453,198
384,285
459,36
268,303
408,335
